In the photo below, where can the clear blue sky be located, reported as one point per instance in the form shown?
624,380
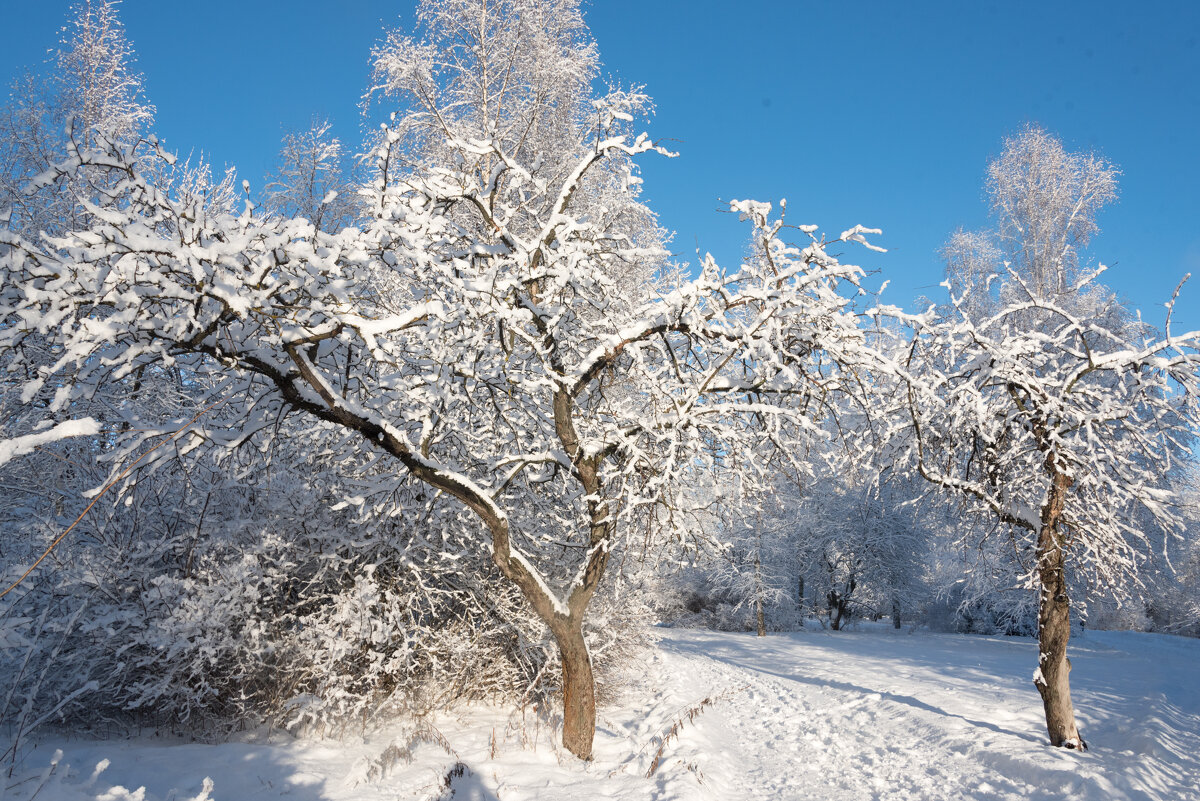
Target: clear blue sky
883,113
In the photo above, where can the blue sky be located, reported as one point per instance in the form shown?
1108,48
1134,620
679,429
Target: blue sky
881,113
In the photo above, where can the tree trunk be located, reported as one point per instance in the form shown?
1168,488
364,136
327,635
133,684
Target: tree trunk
800,594
759,613
1054,627
896,623
579,691
836,608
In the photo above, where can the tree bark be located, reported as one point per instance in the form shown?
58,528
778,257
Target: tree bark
896,622
1054,626
579,691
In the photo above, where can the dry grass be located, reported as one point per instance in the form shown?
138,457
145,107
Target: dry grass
688,715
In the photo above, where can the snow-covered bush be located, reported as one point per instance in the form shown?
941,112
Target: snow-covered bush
212,607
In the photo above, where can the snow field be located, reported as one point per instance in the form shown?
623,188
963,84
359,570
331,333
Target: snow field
866,714
875,714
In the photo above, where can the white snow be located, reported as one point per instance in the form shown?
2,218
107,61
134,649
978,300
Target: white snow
19,446
867,714
856,233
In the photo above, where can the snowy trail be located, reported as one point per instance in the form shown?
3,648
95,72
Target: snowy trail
870,715
848,716
811,728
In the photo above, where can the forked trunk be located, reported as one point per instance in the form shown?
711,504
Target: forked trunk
579,691
1052,677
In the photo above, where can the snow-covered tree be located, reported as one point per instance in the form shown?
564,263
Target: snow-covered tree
473,339
90,90
1042,403
484,85
310,179
1045,201
88,87
1061,433
859,544
493,373
755,572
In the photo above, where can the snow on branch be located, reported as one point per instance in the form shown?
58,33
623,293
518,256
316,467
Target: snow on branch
22,445
1040,411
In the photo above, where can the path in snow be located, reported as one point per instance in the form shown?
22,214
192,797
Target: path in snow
877,714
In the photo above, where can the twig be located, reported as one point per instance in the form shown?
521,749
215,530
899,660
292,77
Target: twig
174,435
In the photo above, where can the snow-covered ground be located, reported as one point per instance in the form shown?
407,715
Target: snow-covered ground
869,714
